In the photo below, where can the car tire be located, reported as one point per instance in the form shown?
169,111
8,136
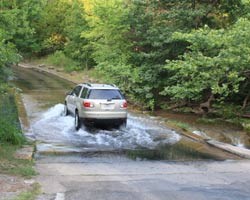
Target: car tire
77,121
65,110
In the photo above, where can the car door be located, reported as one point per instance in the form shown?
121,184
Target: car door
73,98
69,100
80,99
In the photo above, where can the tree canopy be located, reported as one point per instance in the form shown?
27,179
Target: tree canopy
160,52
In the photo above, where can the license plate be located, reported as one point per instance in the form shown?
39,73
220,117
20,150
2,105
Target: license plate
107,106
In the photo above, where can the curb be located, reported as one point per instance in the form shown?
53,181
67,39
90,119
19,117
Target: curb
47,71
244,153
25,153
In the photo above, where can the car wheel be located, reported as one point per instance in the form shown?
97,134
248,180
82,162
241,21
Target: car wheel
77,121
65,110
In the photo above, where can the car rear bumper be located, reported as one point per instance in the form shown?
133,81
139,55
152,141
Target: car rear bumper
104,115
104,122
108,121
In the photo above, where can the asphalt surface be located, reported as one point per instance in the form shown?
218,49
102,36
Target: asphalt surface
145,180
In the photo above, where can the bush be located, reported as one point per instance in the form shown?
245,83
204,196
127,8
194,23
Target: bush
9,133
246,126
59,59
10,129
3,88
228,111
182,125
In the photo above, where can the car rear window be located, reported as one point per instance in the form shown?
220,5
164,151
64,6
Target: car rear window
105,94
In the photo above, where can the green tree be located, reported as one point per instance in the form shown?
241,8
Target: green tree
216,63
131,40
108,28
152,27
28,42
76,45
8,53
107,39
50,27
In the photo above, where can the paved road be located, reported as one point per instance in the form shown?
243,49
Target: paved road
145,180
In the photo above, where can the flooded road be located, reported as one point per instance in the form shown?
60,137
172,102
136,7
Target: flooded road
124,164
220,130
144,136
139,133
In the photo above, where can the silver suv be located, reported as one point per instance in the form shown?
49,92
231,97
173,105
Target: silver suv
96,103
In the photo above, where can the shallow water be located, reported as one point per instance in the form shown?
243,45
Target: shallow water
139,133
144,137
221,131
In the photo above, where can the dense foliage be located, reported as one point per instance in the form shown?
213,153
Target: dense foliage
160,52
12,24
10,130
216,63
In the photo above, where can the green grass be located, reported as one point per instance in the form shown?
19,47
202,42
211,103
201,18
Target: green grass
30,194
246,125
11,165
205,120
59,59
182,125
238,122
215,121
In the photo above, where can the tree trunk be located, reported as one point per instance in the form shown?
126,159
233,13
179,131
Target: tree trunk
245,102
206,106
178,105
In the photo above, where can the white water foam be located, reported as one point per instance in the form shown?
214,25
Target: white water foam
237,142
140,132
201,133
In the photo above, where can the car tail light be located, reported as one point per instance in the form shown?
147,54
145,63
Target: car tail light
124,104
88,104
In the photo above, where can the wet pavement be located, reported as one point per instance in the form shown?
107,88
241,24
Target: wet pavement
217,129
139,133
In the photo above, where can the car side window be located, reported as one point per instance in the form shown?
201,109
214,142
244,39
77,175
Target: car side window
84,93
77,90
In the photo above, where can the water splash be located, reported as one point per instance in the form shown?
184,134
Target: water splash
237,142
141,132
201,133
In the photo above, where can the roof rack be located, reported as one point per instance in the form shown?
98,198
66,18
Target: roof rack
88,84
113,85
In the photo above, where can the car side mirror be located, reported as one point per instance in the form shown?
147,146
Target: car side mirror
68,93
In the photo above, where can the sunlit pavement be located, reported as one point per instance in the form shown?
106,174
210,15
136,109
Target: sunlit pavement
146,180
